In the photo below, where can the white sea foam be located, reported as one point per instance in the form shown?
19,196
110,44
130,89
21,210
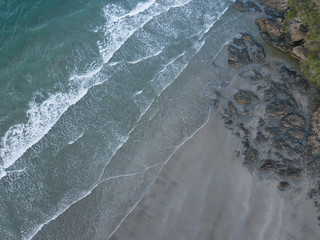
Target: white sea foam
43,116
122,25
76,139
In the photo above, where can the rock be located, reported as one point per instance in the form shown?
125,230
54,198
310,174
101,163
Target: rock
290,172
239,42
285,142
239,5
271,12
279,5
233,110
245,50
292,79
258,54
283,185
269,164
245,98
246,146
270,31
248,38
298,32
238,57
279,108
251,75
299,52
271,26
243,129
294,124
254,6
251,157
260,137
228,122
313,143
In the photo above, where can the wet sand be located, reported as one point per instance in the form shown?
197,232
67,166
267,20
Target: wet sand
204,192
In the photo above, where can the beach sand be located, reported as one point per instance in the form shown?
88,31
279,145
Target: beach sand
204,192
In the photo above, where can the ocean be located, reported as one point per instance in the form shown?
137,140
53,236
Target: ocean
95,96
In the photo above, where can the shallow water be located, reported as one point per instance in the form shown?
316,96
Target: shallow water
80,79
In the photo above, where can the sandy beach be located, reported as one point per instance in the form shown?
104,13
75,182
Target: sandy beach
204,192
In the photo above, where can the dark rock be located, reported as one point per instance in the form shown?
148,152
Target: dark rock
278,108
290,172
254,6
269,164
313,192
279,5
271,12
294,124
243,129
270,31
283,185
245,50
248,38
291,78
245,98
239,42
261,122
251,75
233,110
260,137
238,57
313,143
228,122
286,143
271,26
246,146
277,91
251,157
240,6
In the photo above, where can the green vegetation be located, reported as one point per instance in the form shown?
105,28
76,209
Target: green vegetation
308,13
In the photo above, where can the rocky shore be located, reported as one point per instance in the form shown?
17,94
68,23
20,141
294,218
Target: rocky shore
273,109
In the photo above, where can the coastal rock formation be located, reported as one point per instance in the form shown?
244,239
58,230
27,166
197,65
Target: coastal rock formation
246,6
245,98
240,6
279,5
270,109
245,50
270,30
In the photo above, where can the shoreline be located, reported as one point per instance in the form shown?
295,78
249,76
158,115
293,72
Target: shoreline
290,190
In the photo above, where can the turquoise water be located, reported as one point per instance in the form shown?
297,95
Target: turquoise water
94,97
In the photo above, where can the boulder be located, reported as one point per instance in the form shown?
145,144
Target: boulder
270,31
251,75
299,52
233,110
254,6
313,143
279,108
297,32
251,157
240,6
294,124
283,185
290,172
245,98
260,137
279,5
269,164
271,26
